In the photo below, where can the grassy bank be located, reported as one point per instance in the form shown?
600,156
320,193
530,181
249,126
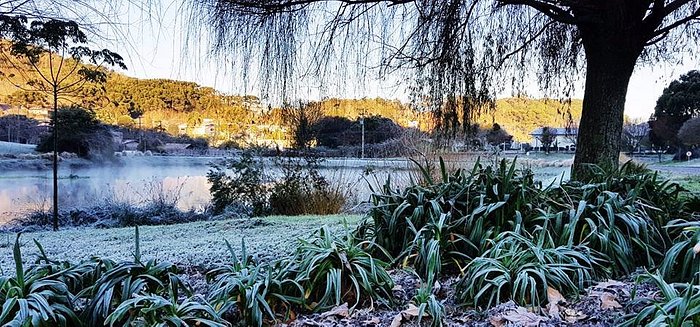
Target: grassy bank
192,244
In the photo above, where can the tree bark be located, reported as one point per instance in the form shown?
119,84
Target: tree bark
611,54
55,159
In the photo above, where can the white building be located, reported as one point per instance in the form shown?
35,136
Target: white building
564,138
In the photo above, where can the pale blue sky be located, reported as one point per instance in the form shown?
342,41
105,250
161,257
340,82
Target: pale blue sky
155,47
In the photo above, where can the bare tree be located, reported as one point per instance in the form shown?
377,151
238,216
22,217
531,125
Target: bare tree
300,119
547,137
462,51
633,133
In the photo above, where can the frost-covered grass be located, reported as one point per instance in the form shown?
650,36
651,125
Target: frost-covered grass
692,183
199,244
15,148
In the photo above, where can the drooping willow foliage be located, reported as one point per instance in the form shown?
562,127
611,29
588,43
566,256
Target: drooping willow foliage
456,54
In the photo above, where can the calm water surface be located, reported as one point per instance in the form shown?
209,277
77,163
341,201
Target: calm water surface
139,181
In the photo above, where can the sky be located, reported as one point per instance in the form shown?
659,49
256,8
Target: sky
158,46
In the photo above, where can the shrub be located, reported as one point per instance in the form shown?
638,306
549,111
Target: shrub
302,190
246,186
81,133
688,134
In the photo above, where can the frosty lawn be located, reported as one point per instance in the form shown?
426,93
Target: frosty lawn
194,244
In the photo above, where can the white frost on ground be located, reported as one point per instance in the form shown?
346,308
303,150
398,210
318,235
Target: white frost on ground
192,244
16,148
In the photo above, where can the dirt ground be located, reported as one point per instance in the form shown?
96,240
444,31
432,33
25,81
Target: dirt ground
602,304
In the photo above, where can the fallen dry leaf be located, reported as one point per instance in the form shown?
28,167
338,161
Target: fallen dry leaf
608,301
373,321
522,317
553,296
412,311
553,310
609,283
572,316
339,311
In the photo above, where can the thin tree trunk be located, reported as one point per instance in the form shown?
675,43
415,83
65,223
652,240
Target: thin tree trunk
55,160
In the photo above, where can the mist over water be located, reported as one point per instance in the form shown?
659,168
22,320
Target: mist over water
182,180
25,191
137,182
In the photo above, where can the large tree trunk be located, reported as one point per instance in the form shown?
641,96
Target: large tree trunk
611,56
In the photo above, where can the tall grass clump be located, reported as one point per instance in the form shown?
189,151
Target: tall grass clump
302,189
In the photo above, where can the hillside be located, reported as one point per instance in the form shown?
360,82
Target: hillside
184,107
521,116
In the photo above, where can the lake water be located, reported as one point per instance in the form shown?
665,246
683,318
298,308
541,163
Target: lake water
139,180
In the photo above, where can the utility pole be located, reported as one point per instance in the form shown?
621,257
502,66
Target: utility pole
143,146
362,125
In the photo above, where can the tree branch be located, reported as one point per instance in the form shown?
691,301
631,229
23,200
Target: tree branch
551,10
666,29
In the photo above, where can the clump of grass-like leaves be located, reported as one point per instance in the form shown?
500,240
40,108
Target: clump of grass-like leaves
156,310
682,260
261,294
461,212
512,238
120,282
334,270
677,306
33,297
521,269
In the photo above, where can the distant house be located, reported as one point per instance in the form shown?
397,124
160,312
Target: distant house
206,128
182,129
174,147
130,145
564,138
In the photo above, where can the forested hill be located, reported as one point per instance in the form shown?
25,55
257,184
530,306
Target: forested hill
520,116
169,104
